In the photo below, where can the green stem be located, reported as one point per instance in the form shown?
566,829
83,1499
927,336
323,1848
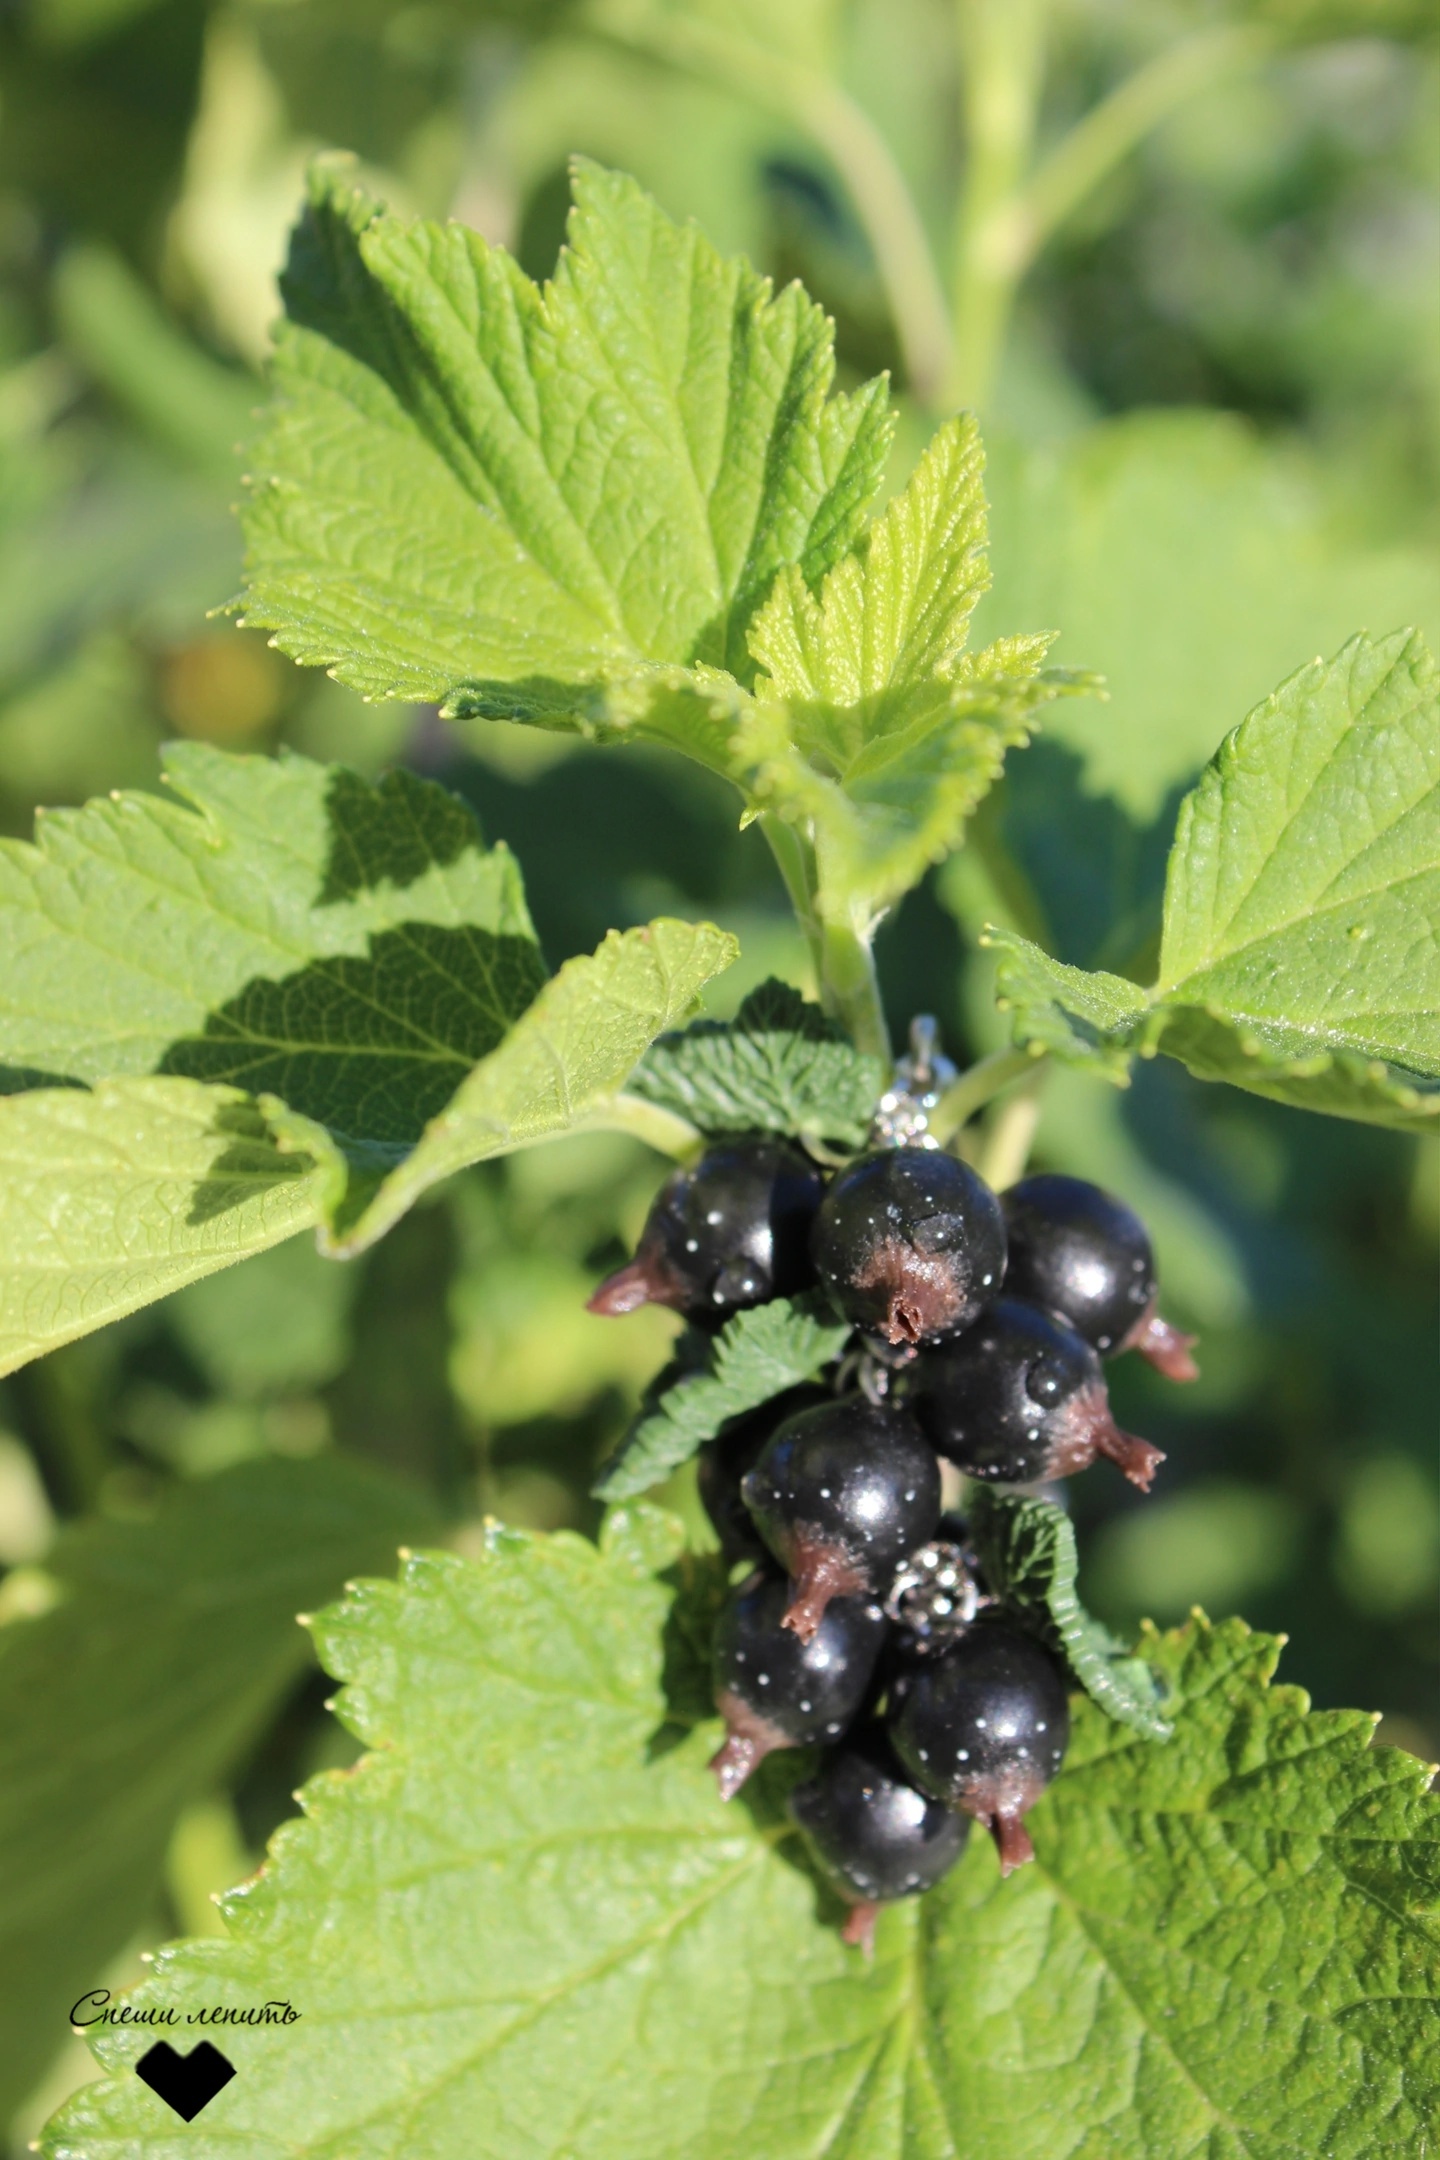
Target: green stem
843,960
850,989
663,1130
1010,1134
976,1087
1002,46
1114,128
816,104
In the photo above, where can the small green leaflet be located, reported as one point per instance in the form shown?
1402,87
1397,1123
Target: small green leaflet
1299,957
875,730
518,1916
756,1355
172,1641
561,505
779,1066
1026,1549
290,999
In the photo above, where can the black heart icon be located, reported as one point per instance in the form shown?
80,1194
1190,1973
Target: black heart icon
186,2083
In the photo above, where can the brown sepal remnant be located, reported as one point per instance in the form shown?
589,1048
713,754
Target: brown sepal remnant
819,1570
1163,1346
1000,1803
859,1928
749,1738
1085,1429
923,1298
645,1280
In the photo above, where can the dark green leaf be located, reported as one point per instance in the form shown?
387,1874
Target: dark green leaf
779,1066
756,1355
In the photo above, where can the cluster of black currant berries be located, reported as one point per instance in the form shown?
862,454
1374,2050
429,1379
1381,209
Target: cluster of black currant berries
865,1625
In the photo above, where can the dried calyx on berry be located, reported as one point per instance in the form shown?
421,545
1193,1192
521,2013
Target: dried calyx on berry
1086,1256
935,1592
1021,1398
871,1832
723,1462
840,1495
775,1691
728,1231
983,1727
909,1243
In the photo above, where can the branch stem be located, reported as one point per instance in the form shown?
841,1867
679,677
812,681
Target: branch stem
1002,50
1010,1134
1115,127
816,103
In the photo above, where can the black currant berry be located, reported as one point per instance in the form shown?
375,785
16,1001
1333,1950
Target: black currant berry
731,1230
840,1495
1086,1256
775,1691
909,1242
723,1462
871,1833
1021,1398
983,1727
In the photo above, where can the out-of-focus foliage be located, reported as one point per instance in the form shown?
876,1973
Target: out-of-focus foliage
1214,434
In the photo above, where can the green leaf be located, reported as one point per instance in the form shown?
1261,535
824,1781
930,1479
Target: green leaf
756,1355
1298,957
781,1065
561,1065
875,730
111,1199
560,505
292,931
516,1918
1026,1549
350,956
171,1643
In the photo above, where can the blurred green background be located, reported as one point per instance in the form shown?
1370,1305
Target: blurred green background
1204,338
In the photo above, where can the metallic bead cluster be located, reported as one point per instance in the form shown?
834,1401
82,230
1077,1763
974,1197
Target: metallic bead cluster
902,1115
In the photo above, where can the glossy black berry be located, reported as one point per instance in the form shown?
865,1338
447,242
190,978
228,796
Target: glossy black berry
871,1832
840,1494
983,1727
910,1243
723,1462
730,1230
1085,1255
1021,1398
775,1691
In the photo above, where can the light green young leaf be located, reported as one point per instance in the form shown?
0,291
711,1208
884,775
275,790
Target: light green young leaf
1299,957
560,505
875,730
781,1065
1026,1549
111,1199
757,1355
516,1917
171,1642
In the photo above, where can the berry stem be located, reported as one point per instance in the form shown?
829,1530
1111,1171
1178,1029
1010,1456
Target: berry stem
663,1130
979,1086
